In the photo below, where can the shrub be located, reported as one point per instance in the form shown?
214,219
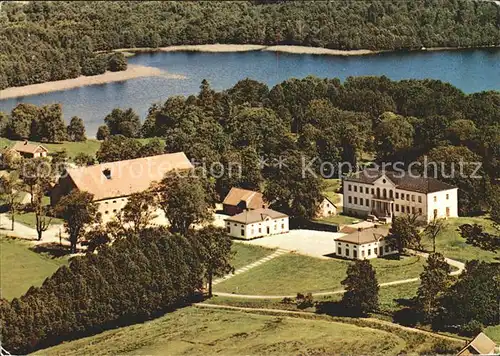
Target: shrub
472,328
304,302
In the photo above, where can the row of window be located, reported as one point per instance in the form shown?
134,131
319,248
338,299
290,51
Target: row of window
368,251
242,232
407,208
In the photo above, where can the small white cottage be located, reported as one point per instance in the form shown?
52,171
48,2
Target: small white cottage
255,223
364,244
326,208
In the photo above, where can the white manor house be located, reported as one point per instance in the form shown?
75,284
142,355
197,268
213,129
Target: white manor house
381,195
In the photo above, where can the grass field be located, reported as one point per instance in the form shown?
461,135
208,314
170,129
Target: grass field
247,254
340,219
22,268
29,219
290,274
331,188
452,245
192,331
391,299
494,333
72,148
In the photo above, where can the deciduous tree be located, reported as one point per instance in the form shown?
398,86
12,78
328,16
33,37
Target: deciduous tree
361,295
434,281
76,130
433,229
404,233
10,191
140,210
78,211
186,200
214,248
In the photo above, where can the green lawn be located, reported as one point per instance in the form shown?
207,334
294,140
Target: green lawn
29,219
452,245
340,219
73,148
291,273
193,331
22,268
494,333
391,299
247,254
331,188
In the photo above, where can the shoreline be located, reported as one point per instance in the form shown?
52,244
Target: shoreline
132,71
292,49
138,71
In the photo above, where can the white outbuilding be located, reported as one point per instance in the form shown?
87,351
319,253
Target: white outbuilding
251,224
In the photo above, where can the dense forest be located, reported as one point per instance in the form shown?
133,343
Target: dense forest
44,41
139,277
362,119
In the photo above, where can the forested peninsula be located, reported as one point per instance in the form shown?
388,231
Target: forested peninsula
47,41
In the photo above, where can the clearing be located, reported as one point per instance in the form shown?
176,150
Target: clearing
22,268
246,254
452,245
192,331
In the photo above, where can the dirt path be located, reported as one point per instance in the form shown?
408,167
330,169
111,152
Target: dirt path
302,313
24,232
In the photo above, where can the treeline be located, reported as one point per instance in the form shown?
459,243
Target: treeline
138,277
41,124
363,117
45,41
322,120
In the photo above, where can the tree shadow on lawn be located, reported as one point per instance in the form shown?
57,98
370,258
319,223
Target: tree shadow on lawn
52,249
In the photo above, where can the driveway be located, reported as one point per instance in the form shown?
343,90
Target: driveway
306,242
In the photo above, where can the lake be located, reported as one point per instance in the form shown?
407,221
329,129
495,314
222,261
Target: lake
469,70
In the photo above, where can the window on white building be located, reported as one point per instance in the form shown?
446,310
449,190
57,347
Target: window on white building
413,197
283,226
355,188
367,202
228,229
419,199
347,252
355,200
361,201
413,210
369,251
407,209
373,191
397,207
349,188
447,212
361,189
435,213
420,210
447,196
397,195
339,251
408,197
435,198
355,254
350,200
242,232
260,230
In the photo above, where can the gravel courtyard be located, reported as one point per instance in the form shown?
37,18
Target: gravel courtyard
306,242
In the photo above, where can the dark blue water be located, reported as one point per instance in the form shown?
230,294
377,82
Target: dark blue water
469,70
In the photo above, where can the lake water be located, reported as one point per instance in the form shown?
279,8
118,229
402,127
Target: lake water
469,70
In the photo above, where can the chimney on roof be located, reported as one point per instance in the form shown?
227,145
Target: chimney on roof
107,173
